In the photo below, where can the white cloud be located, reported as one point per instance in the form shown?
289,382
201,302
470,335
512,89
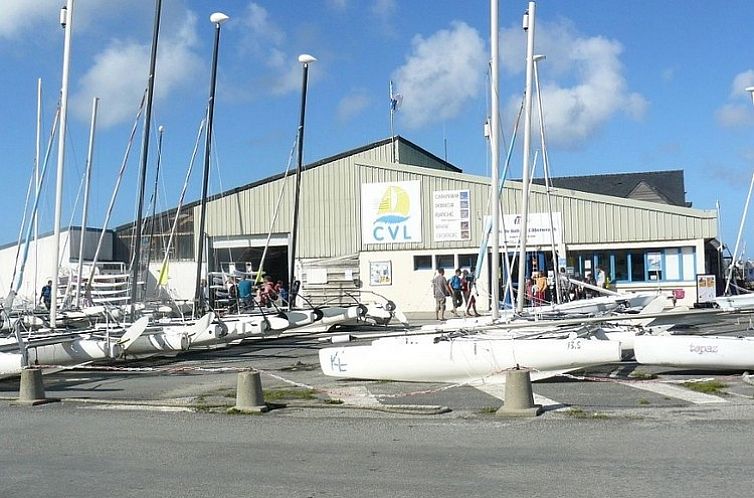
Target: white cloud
23,16
384,8
738,110
264,39
441,74
595,87
119,74
351,106
741,82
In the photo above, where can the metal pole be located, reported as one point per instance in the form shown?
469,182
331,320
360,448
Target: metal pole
36,183
305,60
66,19
85,210
495,146
144,159
546,166
198,298
523,232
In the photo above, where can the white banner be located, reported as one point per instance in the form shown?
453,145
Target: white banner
391,212
450,211
537,229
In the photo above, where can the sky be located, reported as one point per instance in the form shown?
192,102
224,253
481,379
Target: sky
627,86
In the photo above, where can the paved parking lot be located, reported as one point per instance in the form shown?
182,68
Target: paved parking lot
291,375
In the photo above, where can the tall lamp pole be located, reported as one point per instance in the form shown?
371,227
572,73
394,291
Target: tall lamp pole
218,18
305,60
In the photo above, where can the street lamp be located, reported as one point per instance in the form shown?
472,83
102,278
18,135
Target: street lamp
218,19
304,60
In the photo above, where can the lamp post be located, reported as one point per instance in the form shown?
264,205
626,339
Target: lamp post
218,19
305,60
732,266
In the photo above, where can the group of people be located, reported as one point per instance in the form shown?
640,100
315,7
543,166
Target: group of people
247,294
538,289
461,287
267,292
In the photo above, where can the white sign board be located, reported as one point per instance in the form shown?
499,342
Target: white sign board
537,229
450,212
706,288
391,212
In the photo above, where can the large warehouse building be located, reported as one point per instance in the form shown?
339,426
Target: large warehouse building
369,224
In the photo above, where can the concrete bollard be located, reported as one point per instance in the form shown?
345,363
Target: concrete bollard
249,396
32,391
519,399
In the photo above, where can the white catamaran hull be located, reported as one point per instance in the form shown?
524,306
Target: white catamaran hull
688,351
467,359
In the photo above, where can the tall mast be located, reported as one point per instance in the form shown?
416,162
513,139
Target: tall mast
218,18
523,233
85,210
144,159
495,150
36,180
66,20
305,60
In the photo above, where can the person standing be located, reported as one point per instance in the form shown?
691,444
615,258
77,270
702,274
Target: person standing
601,280
469,291
441,291
456,287
46,294
244,292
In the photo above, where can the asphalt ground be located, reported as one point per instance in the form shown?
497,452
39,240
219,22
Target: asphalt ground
160,427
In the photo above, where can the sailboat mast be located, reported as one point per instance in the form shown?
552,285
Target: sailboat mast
305,60
217,19
144,159
528,25
85,210
66,20
495,150
37,151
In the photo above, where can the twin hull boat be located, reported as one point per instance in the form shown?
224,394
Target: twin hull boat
470,359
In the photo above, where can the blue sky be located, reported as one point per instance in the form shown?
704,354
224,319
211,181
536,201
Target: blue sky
627,86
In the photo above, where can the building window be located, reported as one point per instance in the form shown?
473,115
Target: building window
423,262
467,261
620,269
637,266
446,261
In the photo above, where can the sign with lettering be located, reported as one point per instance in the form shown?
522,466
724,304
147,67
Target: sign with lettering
450,212
391,212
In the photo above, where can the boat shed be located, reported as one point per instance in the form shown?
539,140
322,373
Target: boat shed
370,226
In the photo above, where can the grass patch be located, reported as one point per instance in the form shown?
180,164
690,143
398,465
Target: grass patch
279,394
488,410
643,401
642,375
333,401
578,412
706,387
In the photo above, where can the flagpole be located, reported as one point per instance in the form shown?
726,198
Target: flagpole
392,128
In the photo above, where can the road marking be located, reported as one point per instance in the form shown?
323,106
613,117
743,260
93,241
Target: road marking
676,392
148,408
356,395
498,391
